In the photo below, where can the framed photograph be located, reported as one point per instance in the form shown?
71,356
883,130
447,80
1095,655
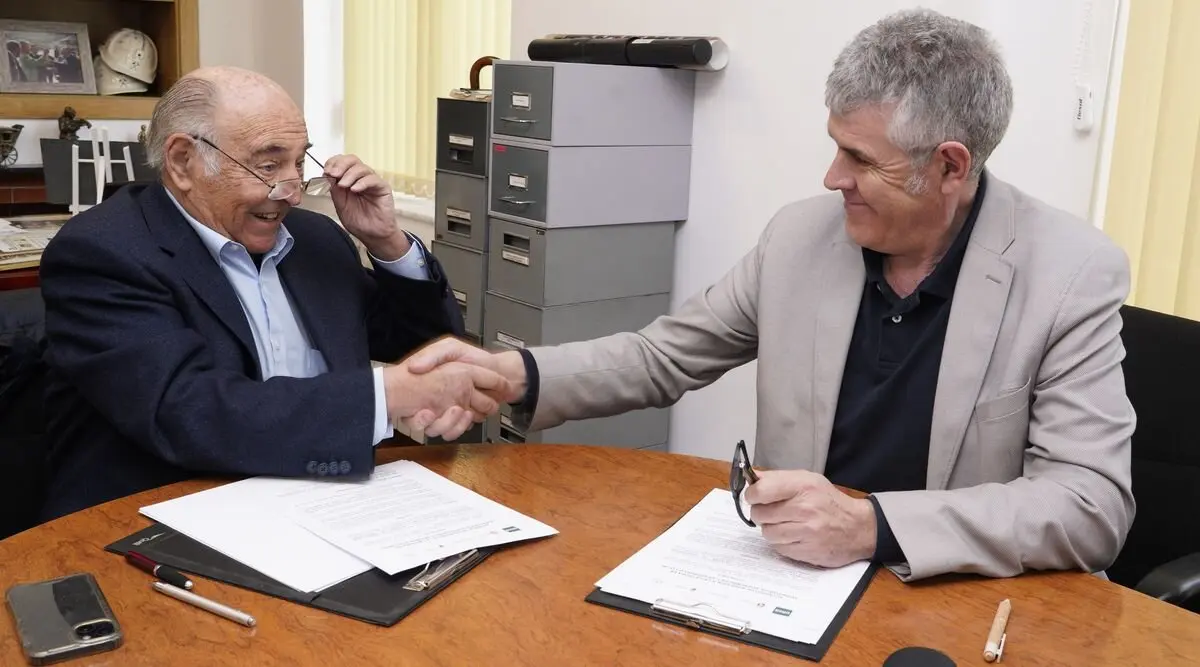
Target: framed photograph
46,57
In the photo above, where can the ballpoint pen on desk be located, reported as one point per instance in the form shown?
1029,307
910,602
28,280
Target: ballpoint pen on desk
998,634
163,572
205,604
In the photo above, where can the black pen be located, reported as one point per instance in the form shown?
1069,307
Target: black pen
164,572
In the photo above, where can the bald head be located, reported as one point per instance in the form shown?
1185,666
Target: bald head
213,103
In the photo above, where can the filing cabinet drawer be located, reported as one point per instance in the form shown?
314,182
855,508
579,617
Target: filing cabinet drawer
557,266
588,186
511,324
460,210
462,135
583,104
465,270
523,100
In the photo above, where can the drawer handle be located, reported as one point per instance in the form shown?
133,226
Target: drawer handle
514,119
509,199
510,436
461,298
457,226
516,241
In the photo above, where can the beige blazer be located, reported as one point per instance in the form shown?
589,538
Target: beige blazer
1029,454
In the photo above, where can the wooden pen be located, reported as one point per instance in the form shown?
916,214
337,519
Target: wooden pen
995,641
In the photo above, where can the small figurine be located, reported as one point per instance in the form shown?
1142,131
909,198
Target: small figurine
142,135
8,145
68,124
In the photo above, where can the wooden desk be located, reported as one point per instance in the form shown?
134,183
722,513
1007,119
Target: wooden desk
18,279
525,605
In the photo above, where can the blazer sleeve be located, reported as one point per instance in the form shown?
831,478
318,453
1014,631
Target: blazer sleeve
711,333
1073,507
405,313
115,333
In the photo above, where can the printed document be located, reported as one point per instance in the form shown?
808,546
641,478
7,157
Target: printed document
311,534
407,516
713,563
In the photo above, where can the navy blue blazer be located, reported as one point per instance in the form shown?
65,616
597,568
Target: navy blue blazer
153,373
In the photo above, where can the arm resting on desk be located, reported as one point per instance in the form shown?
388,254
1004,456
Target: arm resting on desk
1177,582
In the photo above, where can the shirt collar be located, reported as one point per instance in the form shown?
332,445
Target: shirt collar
216,244
945,275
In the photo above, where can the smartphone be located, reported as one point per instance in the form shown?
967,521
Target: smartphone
63,618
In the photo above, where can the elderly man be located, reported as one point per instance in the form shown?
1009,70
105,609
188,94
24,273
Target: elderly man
929,335
202,324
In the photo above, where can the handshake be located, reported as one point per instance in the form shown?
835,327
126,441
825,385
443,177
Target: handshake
448,385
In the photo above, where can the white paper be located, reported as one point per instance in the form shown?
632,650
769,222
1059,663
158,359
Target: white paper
407,516
246,520
711,559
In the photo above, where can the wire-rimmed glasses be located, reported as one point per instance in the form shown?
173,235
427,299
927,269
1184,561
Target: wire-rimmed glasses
286,189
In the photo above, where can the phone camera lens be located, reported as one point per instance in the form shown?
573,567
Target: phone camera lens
94,630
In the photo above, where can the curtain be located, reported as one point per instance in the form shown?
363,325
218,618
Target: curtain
400,56
1153,206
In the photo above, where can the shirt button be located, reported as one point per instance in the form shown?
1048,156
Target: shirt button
896,318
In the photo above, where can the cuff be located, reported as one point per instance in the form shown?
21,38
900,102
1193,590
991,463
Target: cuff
887,549
522,414
414,264
383,428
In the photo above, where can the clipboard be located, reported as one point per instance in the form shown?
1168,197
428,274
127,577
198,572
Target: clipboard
373,596
708,618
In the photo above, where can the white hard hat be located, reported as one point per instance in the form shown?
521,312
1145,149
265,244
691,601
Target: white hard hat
109,82
132,53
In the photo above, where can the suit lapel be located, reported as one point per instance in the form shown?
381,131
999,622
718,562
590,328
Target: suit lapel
198,268
980,297
839,298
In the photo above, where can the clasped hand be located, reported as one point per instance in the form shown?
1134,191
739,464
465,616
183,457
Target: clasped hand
806,518
445,387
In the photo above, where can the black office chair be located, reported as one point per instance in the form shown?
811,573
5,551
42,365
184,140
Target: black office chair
1161,556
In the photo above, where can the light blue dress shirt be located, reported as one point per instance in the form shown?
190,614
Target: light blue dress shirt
284,348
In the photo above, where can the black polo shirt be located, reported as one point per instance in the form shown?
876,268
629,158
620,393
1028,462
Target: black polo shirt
880,439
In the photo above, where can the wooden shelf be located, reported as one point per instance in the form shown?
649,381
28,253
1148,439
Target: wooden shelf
91,107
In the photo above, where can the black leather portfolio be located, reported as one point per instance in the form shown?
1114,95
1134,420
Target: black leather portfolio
814,652
373,596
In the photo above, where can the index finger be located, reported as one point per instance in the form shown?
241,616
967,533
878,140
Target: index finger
336,166
775,486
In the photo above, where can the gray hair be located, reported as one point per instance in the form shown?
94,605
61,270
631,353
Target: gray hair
945,77
188,107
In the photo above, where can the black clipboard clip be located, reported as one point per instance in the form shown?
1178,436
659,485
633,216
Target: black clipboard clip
689,615
447,567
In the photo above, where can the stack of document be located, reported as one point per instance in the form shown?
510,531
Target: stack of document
312,534
713,566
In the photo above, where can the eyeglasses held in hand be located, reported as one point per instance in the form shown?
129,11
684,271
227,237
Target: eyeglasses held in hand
281,190
741,473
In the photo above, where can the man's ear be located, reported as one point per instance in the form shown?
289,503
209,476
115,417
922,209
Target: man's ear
180,160
956,165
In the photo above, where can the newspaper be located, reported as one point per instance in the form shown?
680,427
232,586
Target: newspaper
23,239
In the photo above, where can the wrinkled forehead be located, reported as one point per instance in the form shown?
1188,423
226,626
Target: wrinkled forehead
271,131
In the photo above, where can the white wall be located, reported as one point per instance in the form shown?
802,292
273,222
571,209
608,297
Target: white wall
267,37
765,111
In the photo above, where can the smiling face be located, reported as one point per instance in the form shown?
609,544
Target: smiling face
261,128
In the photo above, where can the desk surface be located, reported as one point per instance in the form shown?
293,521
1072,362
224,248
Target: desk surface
525,605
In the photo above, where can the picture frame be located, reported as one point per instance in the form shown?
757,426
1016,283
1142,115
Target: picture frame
46,57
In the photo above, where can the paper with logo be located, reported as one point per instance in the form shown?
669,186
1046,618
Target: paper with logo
712,562
407,516
242,521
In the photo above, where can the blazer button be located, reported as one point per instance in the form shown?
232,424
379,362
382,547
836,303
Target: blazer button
322,469
345,467
311,467
333,468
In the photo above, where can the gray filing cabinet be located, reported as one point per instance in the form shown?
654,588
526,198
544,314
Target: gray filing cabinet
460,211
589,171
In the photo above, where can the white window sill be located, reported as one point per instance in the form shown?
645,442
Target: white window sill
414,208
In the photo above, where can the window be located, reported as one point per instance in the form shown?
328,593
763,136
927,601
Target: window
399,57
1153,208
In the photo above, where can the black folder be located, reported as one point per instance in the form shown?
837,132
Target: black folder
814,652
373,596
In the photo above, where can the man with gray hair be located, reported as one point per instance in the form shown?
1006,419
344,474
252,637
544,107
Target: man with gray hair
206,324
928,335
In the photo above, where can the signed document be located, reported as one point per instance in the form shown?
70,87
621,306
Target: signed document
715,565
